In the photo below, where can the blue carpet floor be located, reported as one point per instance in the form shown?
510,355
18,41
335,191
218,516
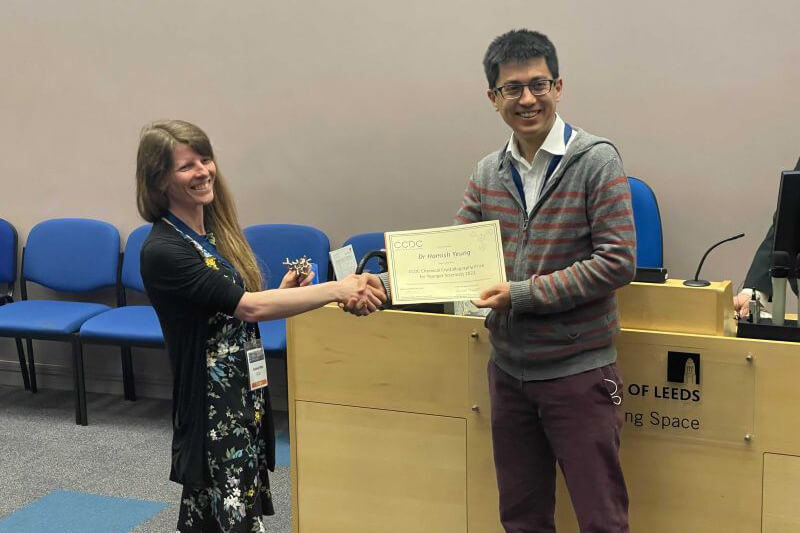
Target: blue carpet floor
64,511
42,451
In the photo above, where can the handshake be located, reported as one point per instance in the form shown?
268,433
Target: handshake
361,294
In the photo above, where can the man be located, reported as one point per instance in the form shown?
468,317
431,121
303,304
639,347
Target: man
758,278
563,202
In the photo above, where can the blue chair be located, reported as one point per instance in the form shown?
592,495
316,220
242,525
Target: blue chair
647,219
8,275
8,260
127,325
366,242
272,244
67,255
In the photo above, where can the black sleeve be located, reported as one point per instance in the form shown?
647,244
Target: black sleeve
758,275
173,269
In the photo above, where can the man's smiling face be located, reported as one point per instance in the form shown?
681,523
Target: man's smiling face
531,117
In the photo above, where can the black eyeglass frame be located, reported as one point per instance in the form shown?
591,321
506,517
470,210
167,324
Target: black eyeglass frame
551,82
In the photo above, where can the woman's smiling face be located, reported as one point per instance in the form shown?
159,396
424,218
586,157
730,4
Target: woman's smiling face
191,184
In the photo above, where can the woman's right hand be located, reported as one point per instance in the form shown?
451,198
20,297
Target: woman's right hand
361,297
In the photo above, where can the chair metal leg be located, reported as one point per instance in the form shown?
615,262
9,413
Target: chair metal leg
79,382
23,365
127,374
31,365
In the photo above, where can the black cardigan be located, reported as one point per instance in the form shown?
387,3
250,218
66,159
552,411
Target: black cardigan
186,293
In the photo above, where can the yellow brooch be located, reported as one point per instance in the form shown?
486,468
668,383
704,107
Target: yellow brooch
212,263
258,417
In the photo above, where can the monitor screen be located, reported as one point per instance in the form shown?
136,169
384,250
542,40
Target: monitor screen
787,223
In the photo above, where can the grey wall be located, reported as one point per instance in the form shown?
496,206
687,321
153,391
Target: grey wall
365,115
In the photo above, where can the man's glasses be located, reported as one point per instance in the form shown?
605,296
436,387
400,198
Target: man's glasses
512,91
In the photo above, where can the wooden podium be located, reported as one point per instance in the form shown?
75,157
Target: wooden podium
389,420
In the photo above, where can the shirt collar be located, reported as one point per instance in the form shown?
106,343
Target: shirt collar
553,144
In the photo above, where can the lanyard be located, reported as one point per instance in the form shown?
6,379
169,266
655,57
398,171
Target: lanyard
199,241
550,169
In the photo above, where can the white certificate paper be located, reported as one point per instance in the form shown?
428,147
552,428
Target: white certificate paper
449,264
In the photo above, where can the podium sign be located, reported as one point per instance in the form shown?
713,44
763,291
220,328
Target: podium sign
688,392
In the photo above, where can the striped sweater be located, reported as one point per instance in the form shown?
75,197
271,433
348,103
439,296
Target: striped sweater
564,260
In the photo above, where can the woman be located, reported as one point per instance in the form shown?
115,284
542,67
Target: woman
203,280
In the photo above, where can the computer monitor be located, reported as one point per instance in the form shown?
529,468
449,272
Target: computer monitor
787,221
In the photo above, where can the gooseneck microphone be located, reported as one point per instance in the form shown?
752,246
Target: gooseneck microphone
696,282
779,273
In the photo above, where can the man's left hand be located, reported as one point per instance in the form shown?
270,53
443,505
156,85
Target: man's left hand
497,297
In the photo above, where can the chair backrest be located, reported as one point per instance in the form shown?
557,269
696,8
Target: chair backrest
647,219
131,275
72,254
366,242
273,243
8,252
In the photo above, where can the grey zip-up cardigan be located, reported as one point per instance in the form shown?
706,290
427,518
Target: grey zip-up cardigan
564,260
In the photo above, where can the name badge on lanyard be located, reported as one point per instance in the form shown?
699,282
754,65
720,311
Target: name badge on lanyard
256,364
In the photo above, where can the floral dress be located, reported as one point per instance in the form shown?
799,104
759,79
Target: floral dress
239,494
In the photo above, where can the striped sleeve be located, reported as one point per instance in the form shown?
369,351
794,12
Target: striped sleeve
470,210
612,262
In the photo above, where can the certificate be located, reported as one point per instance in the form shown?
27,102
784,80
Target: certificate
449,264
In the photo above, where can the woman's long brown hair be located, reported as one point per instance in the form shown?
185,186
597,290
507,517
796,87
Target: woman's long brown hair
154,165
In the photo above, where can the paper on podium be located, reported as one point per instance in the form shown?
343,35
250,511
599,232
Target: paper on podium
449,264
343,261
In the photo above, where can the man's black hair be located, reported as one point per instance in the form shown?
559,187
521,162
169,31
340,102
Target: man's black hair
518,46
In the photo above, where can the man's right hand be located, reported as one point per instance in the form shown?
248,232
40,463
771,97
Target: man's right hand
356,307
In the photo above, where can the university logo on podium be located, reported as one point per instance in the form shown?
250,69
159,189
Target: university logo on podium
683,367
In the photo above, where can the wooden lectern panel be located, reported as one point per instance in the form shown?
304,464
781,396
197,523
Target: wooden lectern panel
781,512
417,364
673,307
370,470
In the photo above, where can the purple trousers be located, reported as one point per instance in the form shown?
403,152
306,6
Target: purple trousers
575,420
